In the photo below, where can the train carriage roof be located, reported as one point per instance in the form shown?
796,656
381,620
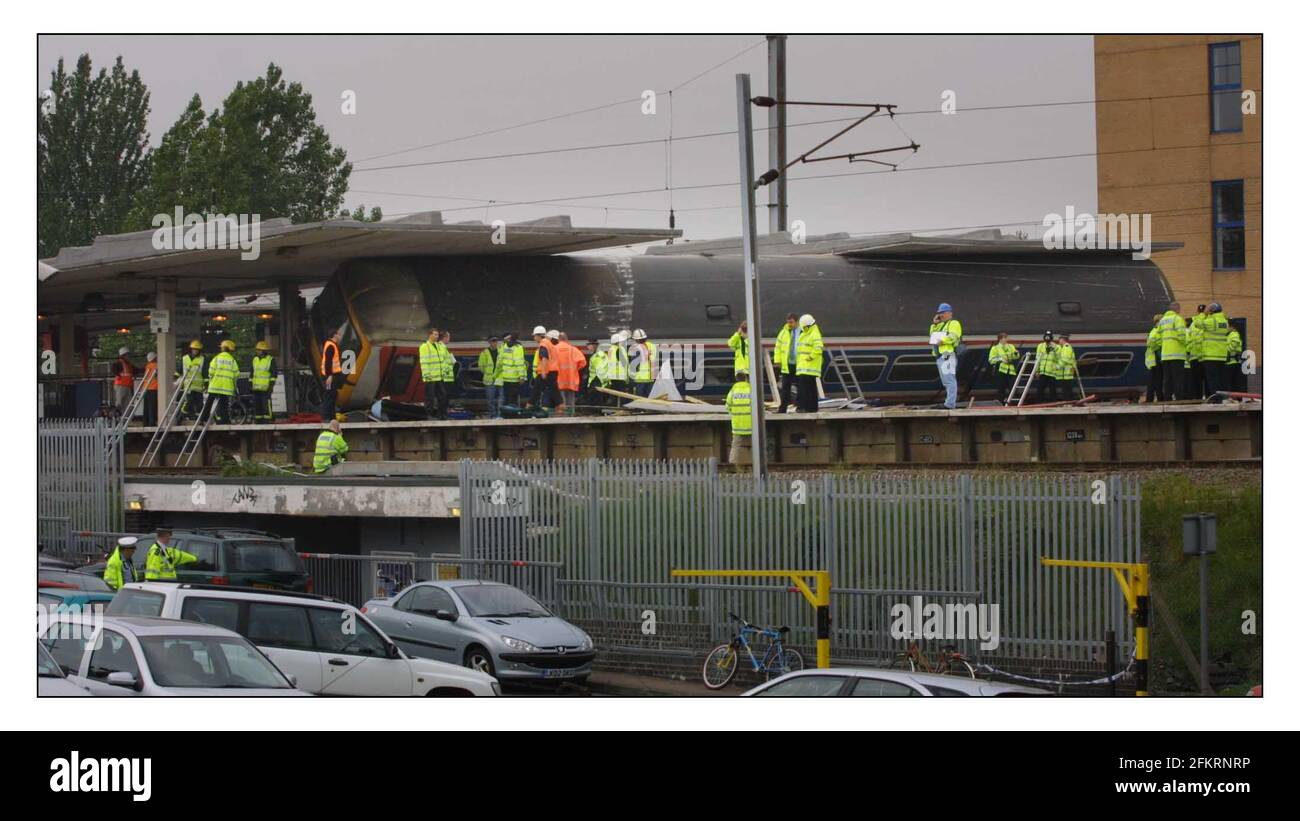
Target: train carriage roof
122,269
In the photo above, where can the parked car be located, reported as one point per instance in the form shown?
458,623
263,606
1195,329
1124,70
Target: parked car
326,645
136,656
51,681
858,682
239,558
57,578
62,599
492,627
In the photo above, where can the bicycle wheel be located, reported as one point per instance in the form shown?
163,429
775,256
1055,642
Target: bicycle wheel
720,666
903,661
790,662
959,667
241,412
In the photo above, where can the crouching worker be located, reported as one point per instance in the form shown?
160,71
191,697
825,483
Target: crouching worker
331,448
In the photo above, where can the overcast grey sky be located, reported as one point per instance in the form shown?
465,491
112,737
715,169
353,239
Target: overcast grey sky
413,90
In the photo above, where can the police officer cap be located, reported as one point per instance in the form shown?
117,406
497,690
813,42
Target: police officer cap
127,541
1047,337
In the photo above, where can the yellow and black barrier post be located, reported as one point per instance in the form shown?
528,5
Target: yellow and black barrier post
1135,582
819,596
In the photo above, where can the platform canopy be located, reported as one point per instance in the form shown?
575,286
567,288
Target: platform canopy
121,271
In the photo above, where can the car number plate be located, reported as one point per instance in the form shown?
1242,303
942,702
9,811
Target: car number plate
557,674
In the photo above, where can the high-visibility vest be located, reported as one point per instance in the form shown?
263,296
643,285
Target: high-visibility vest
1214,345
489,362
117,571
512,364
617,368
544,365
951,339
1003,355
739,345
151,376
568,361
263,373
598,369
448,363
1066,367
330,360
1046,356
161,562
1153,347
125,374
195,364
1173,337
738,403
809,352
330,449
222,374
645,369
1195,336
781,353
431,361
1234,346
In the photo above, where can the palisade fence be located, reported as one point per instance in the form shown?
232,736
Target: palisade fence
616,529
79,470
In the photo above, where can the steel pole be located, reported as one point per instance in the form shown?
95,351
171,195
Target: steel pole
745,123
1206,690
776,193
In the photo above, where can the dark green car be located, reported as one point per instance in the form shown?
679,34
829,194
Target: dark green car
240,558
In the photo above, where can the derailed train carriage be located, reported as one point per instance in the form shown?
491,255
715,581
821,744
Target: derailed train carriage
873,301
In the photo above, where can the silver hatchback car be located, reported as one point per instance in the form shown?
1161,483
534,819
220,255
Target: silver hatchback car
492,627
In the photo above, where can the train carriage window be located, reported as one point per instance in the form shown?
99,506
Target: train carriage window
1104,365
914,368
398,376
867,368
720,373
717,311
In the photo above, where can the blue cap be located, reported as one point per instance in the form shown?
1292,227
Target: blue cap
943,306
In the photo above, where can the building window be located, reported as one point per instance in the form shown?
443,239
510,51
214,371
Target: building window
1225,87
1229,225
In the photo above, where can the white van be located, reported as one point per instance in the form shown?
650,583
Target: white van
328,646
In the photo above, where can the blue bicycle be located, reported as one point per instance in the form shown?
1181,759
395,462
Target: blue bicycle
721,664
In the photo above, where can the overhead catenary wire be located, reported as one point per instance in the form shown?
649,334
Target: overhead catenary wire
835,175
552,118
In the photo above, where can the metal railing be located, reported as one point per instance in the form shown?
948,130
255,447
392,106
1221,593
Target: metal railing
78,483
623,525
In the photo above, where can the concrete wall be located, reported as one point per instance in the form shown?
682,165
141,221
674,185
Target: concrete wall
1156,154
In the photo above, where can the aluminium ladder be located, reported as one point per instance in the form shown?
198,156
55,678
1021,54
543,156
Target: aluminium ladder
848,380
120,425
168,419
1024,379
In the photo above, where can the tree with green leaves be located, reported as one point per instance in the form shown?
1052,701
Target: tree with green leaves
261,153
91,153
359,214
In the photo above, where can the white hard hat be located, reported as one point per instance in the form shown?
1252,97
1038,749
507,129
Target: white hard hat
539,330
638,334
127,541
806,320
123,351
552,334
151,356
